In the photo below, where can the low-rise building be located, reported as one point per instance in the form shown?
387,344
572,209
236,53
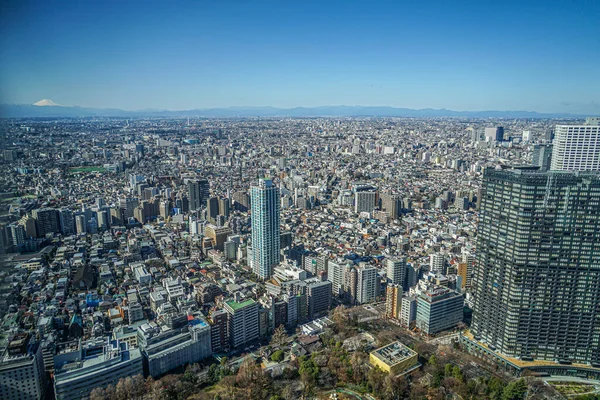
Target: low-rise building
395,358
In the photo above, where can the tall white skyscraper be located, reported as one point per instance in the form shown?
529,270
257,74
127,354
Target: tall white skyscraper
265,227
576,147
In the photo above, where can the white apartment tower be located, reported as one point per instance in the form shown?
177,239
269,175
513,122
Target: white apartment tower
576,147
265,227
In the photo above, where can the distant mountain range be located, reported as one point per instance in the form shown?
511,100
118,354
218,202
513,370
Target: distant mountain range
48,109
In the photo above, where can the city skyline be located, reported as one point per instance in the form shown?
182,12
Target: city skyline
478,56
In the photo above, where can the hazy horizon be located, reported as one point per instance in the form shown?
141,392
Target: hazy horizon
476,56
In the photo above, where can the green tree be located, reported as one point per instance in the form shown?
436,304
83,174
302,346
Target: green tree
214,373
448,370
516,390
457,373
278,356
432,360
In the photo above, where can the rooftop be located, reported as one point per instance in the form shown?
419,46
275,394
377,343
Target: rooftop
237,306
393,353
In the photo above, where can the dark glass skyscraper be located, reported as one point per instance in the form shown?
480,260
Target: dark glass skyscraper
198,192
537,279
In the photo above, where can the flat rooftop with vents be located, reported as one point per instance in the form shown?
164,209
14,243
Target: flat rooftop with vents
395,358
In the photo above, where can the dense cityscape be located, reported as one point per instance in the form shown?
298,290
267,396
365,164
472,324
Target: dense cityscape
287,258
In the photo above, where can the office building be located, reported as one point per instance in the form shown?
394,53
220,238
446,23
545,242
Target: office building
22,372
218,235
17,235
537,277
438,309
46,220
542,156
576,147
494,134
80,224
364,201
224,207
265,227
94,363
165,349
366,284
392,203
242,321
127,206
198,192
318,293
212,209
396,270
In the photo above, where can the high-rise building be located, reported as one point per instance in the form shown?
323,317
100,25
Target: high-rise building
319,297
494,134
392,203
437,263
542,156
364,201
396,270
537,277
408,311
265,227
218,331
393,301
67,221
198,192
80,225
242,321
465,271
46,221
366,284
335,274
576,147
135,179
17,235
224,207
212,209
22,372
438,309
127,206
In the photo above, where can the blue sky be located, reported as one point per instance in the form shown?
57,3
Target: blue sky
539,55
